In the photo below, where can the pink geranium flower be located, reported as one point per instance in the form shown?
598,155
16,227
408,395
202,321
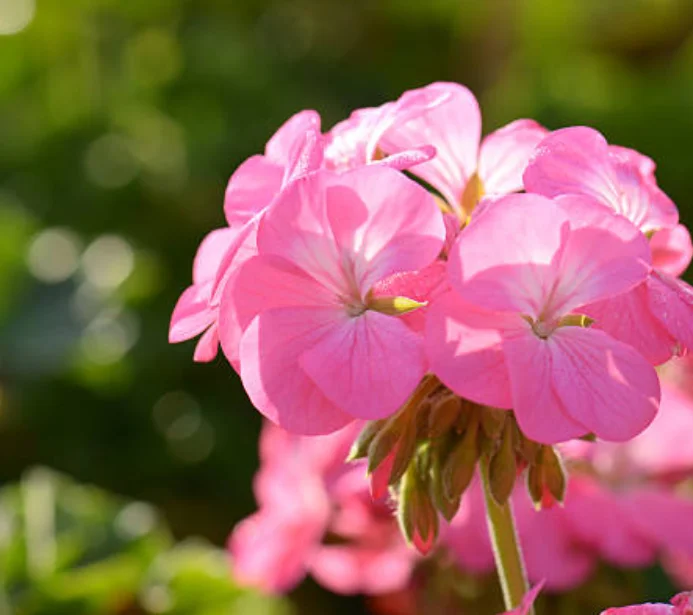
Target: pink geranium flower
681,604
464,166
318,350
521,272
306,491
657,316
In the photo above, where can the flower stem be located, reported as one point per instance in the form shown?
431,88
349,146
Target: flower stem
506,547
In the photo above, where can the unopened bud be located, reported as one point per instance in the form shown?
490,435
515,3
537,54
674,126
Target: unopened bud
394,306
554,473
503,468
492,421
535,485
528,449
404,452
359,449
416,514
383,443
439,454
443,416
459,466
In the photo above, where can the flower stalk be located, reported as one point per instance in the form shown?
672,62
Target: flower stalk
506,547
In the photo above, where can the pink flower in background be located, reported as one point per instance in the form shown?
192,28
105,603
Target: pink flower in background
464,166
317,350
306,492
681,604
519,271
657,316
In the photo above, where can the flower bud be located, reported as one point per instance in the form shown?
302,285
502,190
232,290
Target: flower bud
492,421
460,464
359,449
443,416
439,454
503,468
416,514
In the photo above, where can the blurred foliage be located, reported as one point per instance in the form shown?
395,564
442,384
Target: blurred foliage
73,549
120,123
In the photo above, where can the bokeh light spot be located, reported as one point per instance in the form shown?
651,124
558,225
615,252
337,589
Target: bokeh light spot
53,255
15,15
108,261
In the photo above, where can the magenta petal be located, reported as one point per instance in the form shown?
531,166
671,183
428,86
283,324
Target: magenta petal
504,155
452,126
251,188
368,365
574,161
672,250
270,350
604,384
463,345
671,301
540,411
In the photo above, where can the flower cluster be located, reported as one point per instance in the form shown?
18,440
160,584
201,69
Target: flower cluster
535,271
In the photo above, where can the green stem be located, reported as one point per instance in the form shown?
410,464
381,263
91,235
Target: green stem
506,547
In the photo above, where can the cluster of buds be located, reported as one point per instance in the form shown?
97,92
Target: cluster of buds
427,454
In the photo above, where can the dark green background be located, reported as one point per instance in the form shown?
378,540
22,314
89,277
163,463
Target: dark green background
127,117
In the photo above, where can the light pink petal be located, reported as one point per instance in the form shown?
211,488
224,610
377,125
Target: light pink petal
574,161
671,301
353,569
389,223
599,261
604,384
672,250
683,603
281,148
505,258
270,352
192,314
504,155
642,202
463,345
452,126
207,346
540,411
211,253
368,365
641,609
251,188
645,164
629,318
409,158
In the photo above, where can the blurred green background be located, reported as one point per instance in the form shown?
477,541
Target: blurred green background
120,123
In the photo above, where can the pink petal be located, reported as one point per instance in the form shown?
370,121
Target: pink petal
574,161
645,164
671,301
463,345
641,609
279,388
281,148
629,319
539,408
642,202
504,260
599,261
210,254
251,188
388,221
192,314
604,384
672,250
504,155
207,346
527,601
452,126
409,158
353,569
367,366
